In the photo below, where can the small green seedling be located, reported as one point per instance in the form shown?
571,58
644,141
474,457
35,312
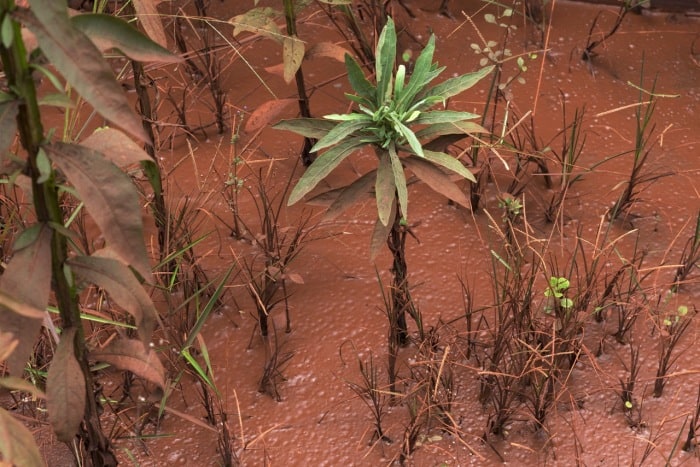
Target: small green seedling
557,289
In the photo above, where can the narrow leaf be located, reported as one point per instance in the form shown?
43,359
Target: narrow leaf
109,32
132,355
17,444
420,77
116,147
65,389
267,112
385,58
454,86
450,163
351,194
24,294
436,179
411,138
80,63
342,131
443,116
381,232
14,383
399,181
122,287
456,128
111,199
357,79
384,188
309,127
148,15
323,165
292,55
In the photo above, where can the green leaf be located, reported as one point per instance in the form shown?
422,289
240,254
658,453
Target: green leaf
122,287
80,63
24,294
109,32
385,58
384,187
399,180
356,191
323,165
357,79
116,146
420,77
410,138
292,56
111,199
449,162
342,131
381,232
258,21
7,31
399,81
436,179
443,116
65,389
17,444
454,86
43,165
308,127
132,355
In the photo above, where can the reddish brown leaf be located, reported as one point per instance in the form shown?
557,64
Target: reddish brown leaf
132,355
148,15
116,146
17,445
328,50
65,389
381,232
436,179
266,113
351,194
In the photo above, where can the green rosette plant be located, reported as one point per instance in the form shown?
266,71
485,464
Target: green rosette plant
394,117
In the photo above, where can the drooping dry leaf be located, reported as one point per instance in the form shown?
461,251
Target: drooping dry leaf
258,21
24,295
328,50
436,179
111,199
294,277
122,287
149,17
351,194
116,146
80,63
17,444
381,233
13,383
132,355
65,389
292,56
266,113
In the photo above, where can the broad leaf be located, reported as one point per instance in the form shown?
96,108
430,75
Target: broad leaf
323,165
148,15
132,355
308,127
108,32
328,50
443,116
65,389
342,131
399,181
436,179
385,59
384,187
381,232
111,199
449,162
80,63
267,112
24,294
359,83
292,56
122,287
454,86
17,444
116,146
258,21
8,127
410,137
351,194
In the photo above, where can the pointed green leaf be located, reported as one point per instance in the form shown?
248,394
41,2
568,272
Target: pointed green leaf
342,131
132,355
80,63
292,56
323,165
111,199
385,59
358,81
420,77
122,287
449,162
436,179
308,127
351,194
384,187
410,138
17,445
381,232
443,116
399,181
116,146
65,389
109,32
24,294
454,86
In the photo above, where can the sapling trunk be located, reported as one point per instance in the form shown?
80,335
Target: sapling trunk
48,212
401,301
